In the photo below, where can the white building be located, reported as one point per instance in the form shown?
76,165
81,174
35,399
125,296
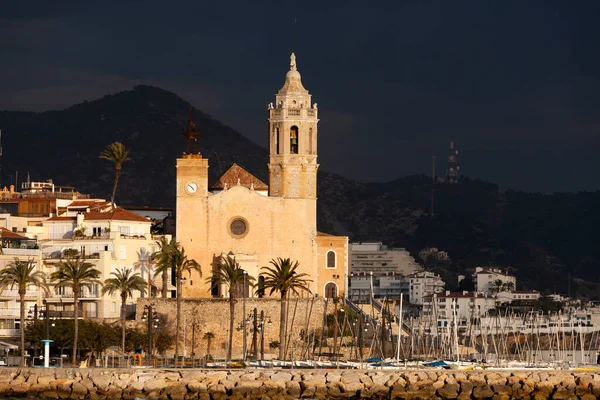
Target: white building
506,297
485,280
462,306
422,284
377,258
109,239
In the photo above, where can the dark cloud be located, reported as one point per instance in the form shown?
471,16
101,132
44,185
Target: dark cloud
515,82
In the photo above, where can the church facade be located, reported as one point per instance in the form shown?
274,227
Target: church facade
242,217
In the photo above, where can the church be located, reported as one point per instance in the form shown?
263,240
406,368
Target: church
243,217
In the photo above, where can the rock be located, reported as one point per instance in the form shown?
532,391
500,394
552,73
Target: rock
195,386
78,390
449,391
281,376
588,397
20,388
502,389
398,390
376,391
293,388
563,394
482,392
466,387
217,392
102,382
351,387
154,385
540,395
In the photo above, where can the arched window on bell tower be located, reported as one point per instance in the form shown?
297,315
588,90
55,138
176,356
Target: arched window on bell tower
294,140
276,140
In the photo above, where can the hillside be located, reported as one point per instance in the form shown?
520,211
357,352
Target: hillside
543,237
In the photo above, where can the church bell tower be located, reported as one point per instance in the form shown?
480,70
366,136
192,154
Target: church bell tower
293,140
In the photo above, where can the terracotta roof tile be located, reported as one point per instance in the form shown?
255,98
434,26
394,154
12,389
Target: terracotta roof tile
236,173
118,214
5,233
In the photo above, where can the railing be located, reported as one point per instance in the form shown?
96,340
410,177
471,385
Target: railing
9,332
133,237
84,295
91,237
10,251
15,293
294,113
59,256
71,314
10,312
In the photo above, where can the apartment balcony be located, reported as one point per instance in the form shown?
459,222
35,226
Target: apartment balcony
13,293
71,314
9,332
57,256
10,312
69,296
10,251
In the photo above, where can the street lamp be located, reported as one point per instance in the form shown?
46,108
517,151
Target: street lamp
43,310
244,316
151,317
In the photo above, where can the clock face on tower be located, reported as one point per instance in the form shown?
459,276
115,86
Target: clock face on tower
191,187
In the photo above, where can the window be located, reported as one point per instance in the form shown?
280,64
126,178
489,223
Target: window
238,227
124,230
123,252
294,140
261,287
331,259
311,139
276,140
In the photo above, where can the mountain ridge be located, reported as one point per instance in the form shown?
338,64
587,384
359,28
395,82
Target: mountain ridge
473,220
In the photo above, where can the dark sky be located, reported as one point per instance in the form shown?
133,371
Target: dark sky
516,82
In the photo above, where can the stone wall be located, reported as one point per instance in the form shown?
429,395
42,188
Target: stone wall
212,315
294,384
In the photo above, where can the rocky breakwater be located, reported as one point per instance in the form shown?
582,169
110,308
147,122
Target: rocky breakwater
286,384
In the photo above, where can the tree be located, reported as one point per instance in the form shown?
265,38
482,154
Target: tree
22,274
208,336
228,272
116,153
508,286
282,277
496,285
180,264
124,282
76,274
163,259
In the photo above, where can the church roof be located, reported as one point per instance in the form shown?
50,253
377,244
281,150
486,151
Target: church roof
238,176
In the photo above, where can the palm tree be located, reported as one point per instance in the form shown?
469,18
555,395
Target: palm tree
228,272
284,278
180,264
22,274
163,258
496,285
77,274
208,336
116,153
508,286
145,261
124,282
